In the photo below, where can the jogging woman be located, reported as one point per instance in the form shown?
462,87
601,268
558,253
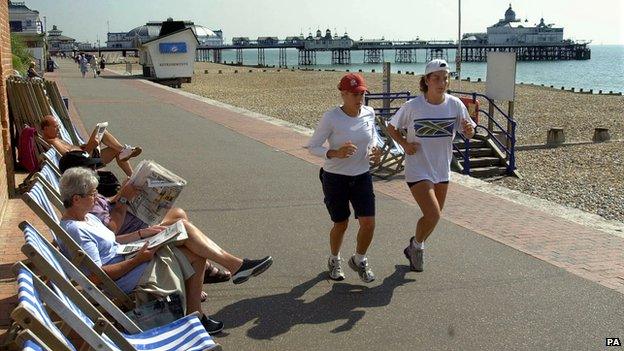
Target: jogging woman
431,121
350,131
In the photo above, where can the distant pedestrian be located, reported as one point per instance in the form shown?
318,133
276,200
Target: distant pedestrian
431,121
102,63
350,131
94,65
84,65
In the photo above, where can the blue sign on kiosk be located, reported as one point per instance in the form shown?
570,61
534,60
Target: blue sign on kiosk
172,48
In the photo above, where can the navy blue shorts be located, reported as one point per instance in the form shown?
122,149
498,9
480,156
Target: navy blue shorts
340,189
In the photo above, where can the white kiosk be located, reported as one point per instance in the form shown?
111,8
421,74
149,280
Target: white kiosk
170,58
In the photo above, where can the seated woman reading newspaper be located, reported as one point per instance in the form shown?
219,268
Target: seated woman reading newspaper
113,212
114,150
142,273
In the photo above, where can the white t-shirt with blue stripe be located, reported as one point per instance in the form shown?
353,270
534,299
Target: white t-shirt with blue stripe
434,128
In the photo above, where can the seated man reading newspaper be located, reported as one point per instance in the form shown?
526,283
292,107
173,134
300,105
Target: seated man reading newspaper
114,150
113,213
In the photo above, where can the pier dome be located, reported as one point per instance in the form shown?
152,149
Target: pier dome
141,31
202,31
510,15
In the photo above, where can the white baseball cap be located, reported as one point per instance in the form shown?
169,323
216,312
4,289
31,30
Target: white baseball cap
437,65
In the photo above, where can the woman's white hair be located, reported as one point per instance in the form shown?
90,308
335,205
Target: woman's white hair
77,181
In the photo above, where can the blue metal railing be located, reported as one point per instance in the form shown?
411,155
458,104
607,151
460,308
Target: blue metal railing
509,134
390,111
465,154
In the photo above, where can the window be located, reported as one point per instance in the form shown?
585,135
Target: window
16,26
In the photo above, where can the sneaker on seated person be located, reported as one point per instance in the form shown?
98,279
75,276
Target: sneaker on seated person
251,268
128,152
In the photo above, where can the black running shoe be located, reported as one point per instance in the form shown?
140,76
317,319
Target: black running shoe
251,268
212,326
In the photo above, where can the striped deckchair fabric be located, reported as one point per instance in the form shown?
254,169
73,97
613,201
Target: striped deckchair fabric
31,314
38,199
30,342
186,333
51,176
392,156
53,157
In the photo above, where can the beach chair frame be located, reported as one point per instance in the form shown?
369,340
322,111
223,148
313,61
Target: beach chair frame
44,262
78,257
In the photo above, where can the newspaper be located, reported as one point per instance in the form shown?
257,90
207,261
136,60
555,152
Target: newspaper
158,190
173,233
99,130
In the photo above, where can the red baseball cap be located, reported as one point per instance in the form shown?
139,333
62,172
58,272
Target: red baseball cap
353,83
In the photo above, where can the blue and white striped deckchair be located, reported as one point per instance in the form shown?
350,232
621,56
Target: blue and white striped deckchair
186,333
38,199
31,314
53,157
393,155
51,176
52,264
30,345
30,342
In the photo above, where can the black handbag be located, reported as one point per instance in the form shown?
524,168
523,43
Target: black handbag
156,313
108,184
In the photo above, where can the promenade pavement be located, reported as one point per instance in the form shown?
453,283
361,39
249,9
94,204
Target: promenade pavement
498,275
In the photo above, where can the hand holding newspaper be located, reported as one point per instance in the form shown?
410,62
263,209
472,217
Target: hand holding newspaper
99,130
172,234
158,189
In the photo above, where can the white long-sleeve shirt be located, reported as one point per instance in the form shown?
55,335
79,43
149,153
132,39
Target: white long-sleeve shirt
336,127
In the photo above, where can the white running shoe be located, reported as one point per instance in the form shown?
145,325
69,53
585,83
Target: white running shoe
335,269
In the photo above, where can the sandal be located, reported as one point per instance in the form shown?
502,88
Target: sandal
214,274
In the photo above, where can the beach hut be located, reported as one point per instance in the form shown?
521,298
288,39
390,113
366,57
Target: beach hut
170,56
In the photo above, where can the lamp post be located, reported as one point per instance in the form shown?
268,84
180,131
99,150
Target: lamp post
458,56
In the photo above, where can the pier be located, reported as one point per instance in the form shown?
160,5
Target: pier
400,51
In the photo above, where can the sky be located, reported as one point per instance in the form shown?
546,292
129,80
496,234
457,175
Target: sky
601,21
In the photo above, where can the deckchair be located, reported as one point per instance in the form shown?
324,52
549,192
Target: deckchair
52,264
38,198
31,314
30,342
186,333
392,155
50,175
53,157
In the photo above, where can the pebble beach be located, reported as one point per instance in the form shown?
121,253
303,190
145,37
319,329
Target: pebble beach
587,177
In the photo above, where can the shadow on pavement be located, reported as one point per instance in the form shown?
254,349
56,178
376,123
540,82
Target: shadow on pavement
274,315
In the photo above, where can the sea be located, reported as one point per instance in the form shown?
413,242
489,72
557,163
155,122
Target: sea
604,71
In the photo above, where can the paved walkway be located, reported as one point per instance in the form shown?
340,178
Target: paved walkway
498,275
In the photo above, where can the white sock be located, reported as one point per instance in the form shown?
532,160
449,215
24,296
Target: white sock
359,258
417,245
334,258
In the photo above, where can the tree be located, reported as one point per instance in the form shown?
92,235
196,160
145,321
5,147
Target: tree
21,56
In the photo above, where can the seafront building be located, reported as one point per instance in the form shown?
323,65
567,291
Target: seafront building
58,42
151,30
27,25
514,31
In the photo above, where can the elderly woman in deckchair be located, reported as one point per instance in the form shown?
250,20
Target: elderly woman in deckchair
185,263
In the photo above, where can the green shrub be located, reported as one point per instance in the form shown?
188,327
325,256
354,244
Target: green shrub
21,55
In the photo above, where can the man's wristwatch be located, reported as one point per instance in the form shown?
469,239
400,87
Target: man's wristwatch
122,200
